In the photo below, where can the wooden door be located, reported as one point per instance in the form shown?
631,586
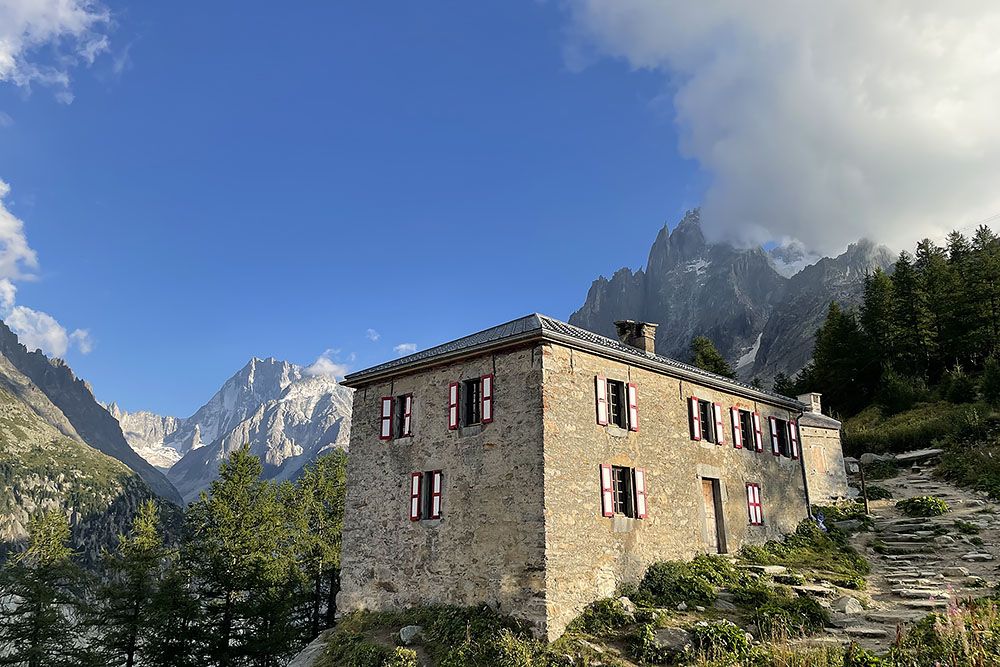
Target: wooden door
708,491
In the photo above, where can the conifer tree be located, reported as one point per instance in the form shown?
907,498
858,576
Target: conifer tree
177,635
125,601
317,502
704,355
984,275
41,591
838,361
911,319
240,552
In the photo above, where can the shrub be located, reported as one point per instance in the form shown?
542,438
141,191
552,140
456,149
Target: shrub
876,492
721,641
861,657
402,657
898,392
966,527
603,617
957,386
642,646
923,506
873,431
784,618
716,570
671,582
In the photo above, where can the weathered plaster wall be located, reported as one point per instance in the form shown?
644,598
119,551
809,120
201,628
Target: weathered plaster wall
824,461
588,555
488,546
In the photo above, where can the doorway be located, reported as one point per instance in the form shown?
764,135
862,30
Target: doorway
714,530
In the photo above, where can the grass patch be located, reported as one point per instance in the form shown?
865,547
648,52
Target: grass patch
923,506
872,430
810,549
876,492
966,527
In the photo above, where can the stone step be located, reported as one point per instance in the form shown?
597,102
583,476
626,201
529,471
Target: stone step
922,593
867,632
928,605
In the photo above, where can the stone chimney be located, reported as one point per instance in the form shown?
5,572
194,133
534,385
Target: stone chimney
812,400
640,335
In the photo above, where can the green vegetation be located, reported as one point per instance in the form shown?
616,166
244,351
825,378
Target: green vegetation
253,577
923,506
926,332
873,430
876,492
706,356
810,550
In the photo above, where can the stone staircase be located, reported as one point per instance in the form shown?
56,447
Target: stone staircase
919,565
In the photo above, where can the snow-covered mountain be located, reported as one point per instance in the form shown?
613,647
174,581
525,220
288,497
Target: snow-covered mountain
147,432
285,414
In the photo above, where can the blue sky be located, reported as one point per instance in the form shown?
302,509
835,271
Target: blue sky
199,184
240,181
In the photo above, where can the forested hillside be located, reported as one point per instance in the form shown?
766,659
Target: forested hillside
254,576
927,331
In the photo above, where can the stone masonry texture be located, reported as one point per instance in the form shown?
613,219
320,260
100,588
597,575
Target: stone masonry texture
521,526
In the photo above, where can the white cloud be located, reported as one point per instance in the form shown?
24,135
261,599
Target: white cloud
372,335
34,328
5,119
17,259
41,40
405,348
83,340
326,366
821,121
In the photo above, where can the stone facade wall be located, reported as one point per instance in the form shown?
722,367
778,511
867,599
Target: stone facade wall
588,555
823,456
488,546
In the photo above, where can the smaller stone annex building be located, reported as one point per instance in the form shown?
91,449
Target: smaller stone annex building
535,466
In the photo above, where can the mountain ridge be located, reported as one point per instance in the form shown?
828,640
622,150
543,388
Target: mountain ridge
762,320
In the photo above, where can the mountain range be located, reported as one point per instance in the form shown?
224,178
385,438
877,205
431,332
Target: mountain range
61,451
285,414
760,307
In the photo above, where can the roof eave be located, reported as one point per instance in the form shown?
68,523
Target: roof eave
362,378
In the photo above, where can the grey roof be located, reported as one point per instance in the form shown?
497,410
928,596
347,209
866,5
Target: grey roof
818,420
543,327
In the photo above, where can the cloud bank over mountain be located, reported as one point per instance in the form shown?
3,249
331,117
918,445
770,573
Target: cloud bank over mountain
823,122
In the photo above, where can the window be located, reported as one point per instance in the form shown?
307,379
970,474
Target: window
706,420
743,427
754,507
471,401
779,437
426,493
403,427
617,413
617,403
623,491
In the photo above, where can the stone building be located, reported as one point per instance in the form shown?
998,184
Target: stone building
822,453
535,466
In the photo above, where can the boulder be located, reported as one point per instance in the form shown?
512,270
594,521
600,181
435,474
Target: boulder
724,605
955,571
848,605
868,458
673,639
977,557
409,634
918,455
627,605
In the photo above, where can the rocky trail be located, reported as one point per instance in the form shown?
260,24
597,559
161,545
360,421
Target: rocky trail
919,565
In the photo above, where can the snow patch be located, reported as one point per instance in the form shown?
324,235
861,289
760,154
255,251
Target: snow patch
698,266
750,355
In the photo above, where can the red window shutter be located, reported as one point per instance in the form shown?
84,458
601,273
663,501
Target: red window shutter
737,431
607,495
453,406
793,438
695,418
385,421
633,407
720,428
601,385
486,407
416,479
407,415
641,511
775,446
754,508
436,495
758,436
